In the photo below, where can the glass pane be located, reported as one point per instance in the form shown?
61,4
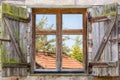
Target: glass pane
45,52
72,21
46,21
72,55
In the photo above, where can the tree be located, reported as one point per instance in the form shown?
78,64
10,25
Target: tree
42,41
76,51
44,44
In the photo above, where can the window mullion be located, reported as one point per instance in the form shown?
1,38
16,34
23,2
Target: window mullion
59,42
72,31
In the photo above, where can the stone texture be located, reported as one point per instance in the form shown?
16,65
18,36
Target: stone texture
95,2
70,2
50,2
48,78
57,78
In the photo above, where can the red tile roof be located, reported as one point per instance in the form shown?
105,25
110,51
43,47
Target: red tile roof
48,61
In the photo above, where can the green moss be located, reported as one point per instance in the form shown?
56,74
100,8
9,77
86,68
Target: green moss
16,34
107,10
3,54
11,60
18,12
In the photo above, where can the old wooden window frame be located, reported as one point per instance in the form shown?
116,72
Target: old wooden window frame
59,32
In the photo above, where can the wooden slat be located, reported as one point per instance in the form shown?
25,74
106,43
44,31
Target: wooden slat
5,40
16,65
104,41
33,44
84,32
22,59
73,32
17,18
64,32
103,64
56,10
115,39
98,19
45,32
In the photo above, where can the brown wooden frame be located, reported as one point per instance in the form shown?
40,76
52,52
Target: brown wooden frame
59,32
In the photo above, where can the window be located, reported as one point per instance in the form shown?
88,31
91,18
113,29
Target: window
59,39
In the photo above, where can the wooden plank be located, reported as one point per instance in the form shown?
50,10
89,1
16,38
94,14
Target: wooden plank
104,41
95,34
16,65
15,11
59,42
5,40
74,32
98,19
45,32
14,41
101,35
17,18
33,44
114,55
85,54
56,10
103,64
115,39
64,32
23,38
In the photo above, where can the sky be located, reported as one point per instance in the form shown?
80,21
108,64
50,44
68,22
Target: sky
69,21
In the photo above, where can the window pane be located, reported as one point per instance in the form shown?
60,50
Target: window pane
72,52
72,21
45,52
46,21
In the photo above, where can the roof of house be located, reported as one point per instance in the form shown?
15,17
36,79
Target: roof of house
48,61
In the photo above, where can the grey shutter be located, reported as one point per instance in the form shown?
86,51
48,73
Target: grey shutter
15,49
102,40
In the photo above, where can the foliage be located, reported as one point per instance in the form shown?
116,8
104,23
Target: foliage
43,43
76,51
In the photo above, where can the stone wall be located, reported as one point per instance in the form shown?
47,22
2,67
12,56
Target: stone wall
70,2
56,2
50,77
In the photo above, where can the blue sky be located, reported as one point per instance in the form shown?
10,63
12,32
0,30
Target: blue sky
51,19
72,21
69,21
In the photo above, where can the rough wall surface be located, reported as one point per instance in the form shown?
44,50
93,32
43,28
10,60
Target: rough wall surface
48,78
59,2
70,2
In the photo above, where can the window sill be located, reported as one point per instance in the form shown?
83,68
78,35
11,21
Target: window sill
56,73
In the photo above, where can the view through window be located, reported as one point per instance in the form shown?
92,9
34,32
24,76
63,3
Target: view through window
59,40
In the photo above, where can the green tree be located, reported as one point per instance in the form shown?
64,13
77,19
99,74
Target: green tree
76,51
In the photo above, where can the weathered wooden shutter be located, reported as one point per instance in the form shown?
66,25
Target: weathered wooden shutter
15,49
103,41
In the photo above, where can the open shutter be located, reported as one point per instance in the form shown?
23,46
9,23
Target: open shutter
102,40
15,39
